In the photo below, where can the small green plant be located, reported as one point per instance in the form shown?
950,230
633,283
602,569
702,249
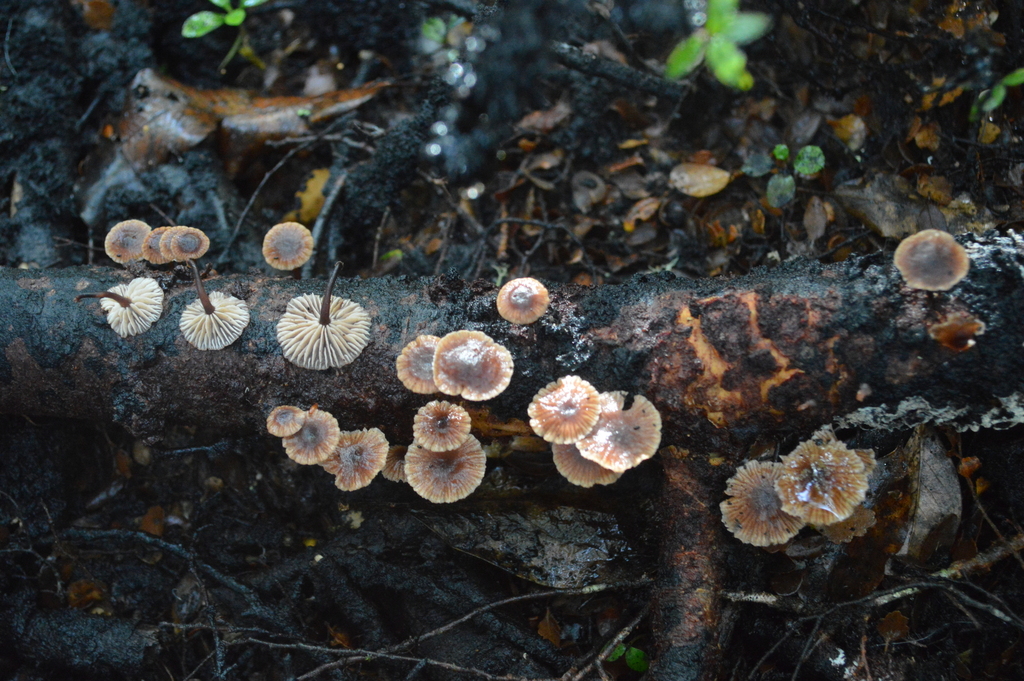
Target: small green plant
201,23
636,659
989,100
809,161
717,42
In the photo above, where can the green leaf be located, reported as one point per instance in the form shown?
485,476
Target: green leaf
617,653
636,660
1013,78
252,3
781,190
994,99
758,165
721,15
235,17
727,62
781,152
809,160
686,56
747,27
201,23
434,29
223,4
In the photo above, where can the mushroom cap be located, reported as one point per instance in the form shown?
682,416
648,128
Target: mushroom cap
309,344
623,438
165,243
124,241
415,365
185,243
444,477
471,364
932,260
565,411
315,440
753,513
147,305
580,471
357,458
287,245
440,426
218,330
285,420
822,480
151,247
523,300
394,464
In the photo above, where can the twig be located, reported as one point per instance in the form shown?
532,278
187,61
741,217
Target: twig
620,74
218,208
610,647
321,220
7,51
376,238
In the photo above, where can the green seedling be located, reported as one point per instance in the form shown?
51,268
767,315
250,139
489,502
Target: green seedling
635,658
809,161
718,42
201,23
989,100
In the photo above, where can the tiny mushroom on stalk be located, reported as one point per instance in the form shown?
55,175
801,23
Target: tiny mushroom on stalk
315,440
471,364
415,365
579,471
753,512
287,246
565,411
131,308
285,420
357,458
124,241
151,247
932,260
184,243
444,477
214,321
394,464
523,300
623,438
322,332
440,426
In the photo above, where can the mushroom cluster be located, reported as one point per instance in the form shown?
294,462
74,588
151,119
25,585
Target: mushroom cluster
820,483
131,240
469,364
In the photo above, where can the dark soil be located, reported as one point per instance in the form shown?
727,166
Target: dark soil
192,560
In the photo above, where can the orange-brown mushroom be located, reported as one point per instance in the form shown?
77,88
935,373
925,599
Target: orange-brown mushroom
523,300
285,420
580,471
151,247
394,464
287,246
623,438
357,458
753,512
415,365
315,440
444,477
932,260
440,426
124,241
184,243
471,364
565,410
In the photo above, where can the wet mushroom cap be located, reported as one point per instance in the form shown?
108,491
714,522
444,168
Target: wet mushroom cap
124,241
146,300
523,300
415,365
753,512
565,411
444,477
440,426
932,260
309,344
151,247
217,330
315,440
471,364
579,471
287,245
623,438
285,420
822,480
394,464
357,458
185,243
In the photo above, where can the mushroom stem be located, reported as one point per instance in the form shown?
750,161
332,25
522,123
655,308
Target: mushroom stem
201,290
325,307
121,300
297,273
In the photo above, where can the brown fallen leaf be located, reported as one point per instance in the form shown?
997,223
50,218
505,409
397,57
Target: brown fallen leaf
548,629
695,179
543,122
644,209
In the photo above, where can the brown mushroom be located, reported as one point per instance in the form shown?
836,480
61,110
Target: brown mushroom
322,332
357,458
415,365
471,364
287,246
285,420
131,308
623,438
315,440
753,513
932,260
580,471
184,243
214,321
565,411
440,426
444,477
523,300
394,464
151,247
124,241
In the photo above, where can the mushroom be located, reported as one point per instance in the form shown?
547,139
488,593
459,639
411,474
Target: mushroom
151,247
124,241
753,513
285,420
931,260
131,308
471,364
565,411
440,426
394,464
523,300
315,440
444,477
415,365
184,243
623,438
823,481
357,458
288,246
214,321
320,332
580,471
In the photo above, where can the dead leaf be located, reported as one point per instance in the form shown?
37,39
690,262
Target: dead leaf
311,198
84,592
988,133
634,160
153,522
935,515
894,627
815,219
548,629
851,130
543,122
926,136
588,189
936,188
695,179
632,144
644,209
